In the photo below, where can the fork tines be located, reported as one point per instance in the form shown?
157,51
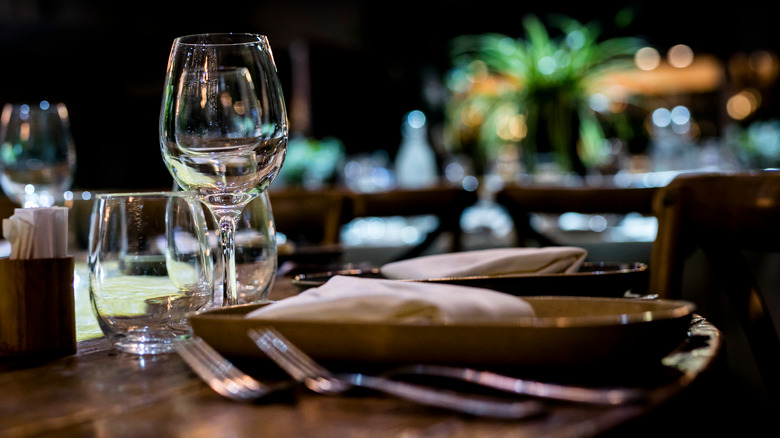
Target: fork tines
219,373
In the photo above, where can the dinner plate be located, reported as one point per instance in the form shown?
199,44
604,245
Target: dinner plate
564,331
597,279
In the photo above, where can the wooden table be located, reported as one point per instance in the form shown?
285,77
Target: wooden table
100,392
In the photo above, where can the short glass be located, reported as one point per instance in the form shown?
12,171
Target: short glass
150,267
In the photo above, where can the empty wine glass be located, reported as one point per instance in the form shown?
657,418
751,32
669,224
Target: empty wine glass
223,127
37,155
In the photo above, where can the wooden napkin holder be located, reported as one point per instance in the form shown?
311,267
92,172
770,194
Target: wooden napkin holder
37,307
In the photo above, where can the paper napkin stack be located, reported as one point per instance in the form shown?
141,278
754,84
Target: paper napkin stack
37,233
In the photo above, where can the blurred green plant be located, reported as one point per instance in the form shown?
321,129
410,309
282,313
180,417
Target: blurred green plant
533,91
312,163
758,144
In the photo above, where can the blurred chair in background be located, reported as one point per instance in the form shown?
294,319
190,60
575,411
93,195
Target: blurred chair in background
523,201
310,218
446,203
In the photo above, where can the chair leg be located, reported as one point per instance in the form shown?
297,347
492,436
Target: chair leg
752,313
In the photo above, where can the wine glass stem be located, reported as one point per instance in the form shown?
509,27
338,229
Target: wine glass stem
227,226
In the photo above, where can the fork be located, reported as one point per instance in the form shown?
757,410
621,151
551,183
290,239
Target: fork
304,369
222,376
580,394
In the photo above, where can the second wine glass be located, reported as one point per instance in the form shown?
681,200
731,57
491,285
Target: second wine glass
223,127
37,154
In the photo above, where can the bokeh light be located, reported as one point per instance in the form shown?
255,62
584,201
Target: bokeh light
647,58
680,56
662,117
743,104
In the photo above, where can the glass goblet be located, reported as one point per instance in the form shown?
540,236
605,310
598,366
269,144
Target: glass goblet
37,154
223,128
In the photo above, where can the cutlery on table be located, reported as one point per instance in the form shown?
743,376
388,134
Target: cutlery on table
571,393
304,369
223,377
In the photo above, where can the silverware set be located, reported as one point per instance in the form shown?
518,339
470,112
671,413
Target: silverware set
227,380
304,369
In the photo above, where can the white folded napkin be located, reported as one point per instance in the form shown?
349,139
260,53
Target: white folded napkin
499,261
354,299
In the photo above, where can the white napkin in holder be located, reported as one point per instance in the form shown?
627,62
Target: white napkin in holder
37,303
37,233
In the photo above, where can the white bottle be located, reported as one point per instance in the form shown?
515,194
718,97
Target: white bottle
415,164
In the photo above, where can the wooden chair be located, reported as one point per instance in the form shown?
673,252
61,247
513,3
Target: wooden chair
725,217
310,217
522,201
445,202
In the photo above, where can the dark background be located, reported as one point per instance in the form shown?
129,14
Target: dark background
368,60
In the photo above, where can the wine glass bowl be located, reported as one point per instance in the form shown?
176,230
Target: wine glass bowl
223,127
37,154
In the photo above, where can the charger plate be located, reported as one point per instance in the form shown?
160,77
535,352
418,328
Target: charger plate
566,331
601,279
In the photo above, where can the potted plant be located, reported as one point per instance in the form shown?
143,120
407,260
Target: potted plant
533,92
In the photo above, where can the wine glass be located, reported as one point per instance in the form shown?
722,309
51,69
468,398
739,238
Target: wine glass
223,128
37,155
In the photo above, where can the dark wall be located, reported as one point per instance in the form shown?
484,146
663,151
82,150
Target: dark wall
369,60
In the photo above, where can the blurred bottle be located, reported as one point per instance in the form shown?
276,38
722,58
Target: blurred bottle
415,164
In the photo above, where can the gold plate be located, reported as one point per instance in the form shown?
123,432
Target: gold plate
595,279
566,331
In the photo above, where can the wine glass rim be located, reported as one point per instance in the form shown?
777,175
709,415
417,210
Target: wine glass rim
43,104
139,194
220,39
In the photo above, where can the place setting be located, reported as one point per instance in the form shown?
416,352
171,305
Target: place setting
434,331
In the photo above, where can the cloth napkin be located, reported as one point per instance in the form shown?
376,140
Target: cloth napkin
499,261
355,299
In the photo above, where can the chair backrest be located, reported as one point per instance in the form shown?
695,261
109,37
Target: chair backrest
725,217
521,201
447,203
316,217
310,217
